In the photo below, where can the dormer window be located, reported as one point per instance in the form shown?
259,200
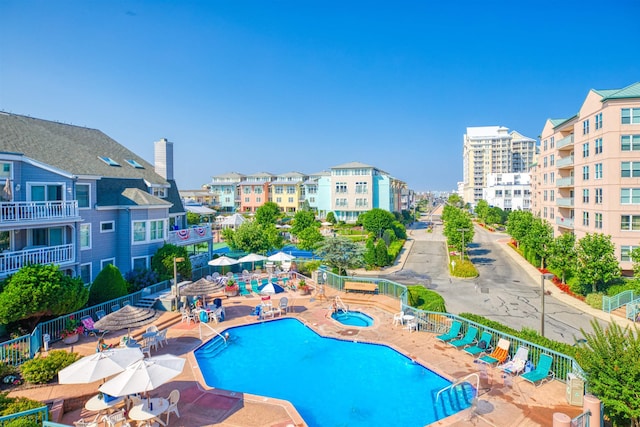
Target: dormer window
109,161
134,164
159,192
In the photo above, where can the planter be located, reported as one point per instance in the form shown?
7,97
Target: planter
304,291
70,339
231,292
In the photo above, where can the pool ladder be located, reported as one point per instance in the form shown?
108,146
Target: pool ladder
459,383
339,305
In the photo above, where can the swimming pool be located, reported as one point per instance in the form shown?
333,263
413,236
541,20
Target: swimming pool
330,382
352,318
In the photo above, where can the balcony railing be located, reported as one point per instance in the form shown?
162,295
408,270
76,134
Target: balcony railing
565,222
567,140
190,236
565,202
20,212
565,182
10,262
564,162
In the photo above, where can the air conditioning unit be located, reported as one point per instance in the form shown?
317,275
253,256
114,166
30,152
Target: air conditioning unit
575,390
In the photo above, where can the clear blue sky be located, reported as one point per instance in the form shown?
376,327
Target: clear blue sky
282,86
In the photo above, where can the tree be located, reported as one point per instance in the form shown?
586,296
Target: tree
610,361
331,217
495,215
539,239
369,255
40,290
382,255
303,220
635,257
596,261
340,253
109,284
309,238
255,237
562,254
193,218
458,220
268,214
162,262
518,225
456,201
482,209
377,220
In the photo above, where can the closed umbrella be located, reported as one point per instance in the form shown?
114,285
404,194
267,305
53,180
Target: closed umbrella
99,366
144,375
252,258
280,256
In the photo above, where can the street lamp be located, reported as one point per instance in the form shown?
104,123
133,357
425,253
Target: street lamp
462,253
547,276
176,260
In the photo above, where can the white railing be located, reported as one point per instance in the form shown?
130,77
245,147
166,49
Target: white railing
11,262
189,236
460,381
18,212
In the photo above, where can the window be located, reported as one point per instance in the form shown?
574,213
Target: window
246,189
134,164
139,231
545,144
585,195
552,177
498,193
630,116
625,253
82,195
630,169
109,161
630,222
598,220
544,162
105,262
45,192
585,173
278,199
159,192
630,142
552,142
585,127
517,193
279,189
552,160
544,178
258,199
361,187
85,236
585,219
107,226
247,199
341,187
290,200
85,273
598,196
552,213
257,190
630,196
585,149
598,146
545,195
598,120
140,263
156,230
544,212
552,195
598,171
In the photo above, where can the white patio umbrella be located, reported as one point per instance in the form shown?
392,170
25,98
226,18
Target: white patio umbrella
144,375
280,256
252,258
99,366
223,261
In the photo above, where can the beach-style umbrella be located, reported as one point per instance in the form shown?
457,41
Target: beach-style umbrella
280,256
201,287
127,317
99,365
270,289
252,258
223,261
144,375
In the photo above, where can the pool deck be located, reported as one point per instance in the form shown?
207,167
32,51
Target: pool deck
512,404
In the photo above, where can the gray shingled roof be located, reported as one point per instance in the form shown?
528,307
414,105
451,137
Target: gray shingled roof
73,149
126,192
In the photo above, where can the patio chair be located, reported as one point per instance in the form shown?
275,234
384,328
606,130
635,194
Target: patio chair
115,307
454,332
412,325
146,349
398,318
84,423
117,419
516,364
100,314
254,286
499,354
468,339
283,305
152,328
161,337
242,286
87,323
173,399
483,345
542,372
187,316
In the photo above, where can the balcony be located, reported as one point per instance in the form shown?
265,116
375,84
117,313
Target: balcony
565,182
564,142
14,213
565,202
565,222
10,262
190,236
564,162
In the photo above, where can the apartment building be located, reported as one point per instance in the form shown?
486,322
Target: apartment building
492,149
287,191
255,191
76,198
226,191
587,177
508,191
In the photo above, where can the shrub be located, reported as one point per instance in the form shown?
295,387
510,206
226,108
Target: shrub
626,285
12,405
595,300
425,299
140,279
26,421
109,284
43,369
464,268
394,249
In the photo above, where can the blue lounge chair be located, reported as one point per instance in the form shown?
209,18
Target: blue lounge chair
483,345
468,339
255,286
242,286
454,332
542,372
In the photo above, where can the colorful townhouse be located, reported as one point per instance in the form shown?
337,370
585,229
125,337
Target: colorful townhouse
255,191
226,190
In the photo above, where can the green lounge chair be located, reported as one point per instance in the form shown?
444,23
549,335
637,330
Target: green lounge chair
483,345
242,286
542,372
254,286
454,332
468,338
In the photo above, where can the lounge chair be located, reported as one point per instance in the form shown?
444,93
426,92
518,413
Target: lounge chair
454,332
516,364
499,355
468,339
255,286
87,324
483,344
100,314
542,372
242,286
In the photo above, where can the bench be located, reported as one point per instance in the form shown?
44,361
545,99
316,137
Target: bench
365,287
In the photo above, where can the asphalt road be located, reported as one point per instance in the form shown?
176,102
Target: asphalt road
503,291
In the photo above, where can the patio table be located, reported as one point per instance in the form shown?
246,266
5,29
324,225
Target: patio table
98,404
142,412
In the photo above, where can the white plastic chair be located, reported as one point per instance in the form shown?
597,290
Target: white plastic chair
116,419
412,325
173,398
84,423
398,318
152,328
161,338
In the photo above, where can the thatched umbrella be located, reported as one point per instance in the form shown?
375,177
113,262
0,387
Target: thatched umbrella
127,317
201,287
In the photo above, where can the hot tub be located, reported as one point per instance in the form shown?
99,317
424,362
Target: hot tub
352,318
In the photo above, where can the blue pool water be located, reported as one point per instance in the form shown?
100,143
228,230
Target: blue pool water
352,318
329,381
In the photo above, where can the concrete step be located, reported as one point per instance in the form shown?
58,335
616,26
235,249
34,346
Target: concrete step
620,311
146,302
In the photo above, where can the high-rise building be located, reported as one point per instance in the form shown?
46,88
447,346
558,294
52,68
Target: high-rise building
587,177
492,149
